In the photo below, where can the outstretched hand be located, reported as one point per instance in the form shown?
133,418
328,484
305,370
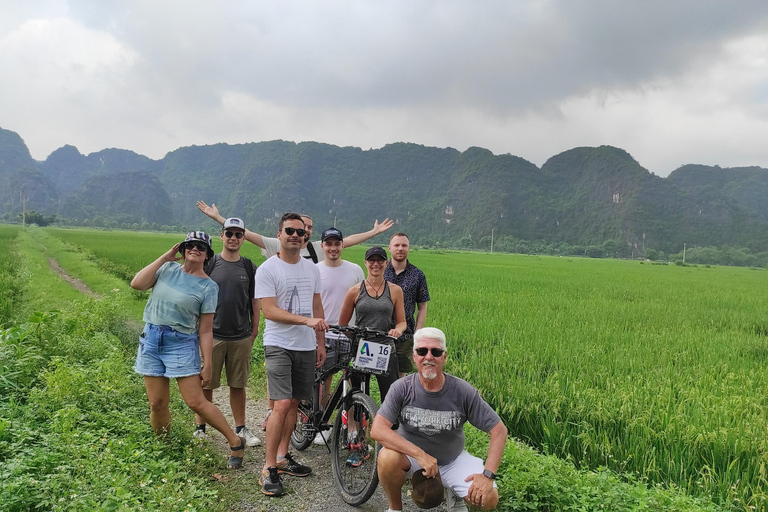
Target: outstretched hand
385,225
210,211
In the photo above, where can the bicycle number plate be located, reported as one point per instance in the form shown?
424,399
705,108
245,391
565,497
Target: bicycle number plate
372,355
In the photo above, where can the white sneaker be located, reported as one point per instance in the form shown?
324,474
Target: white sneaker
250,439
322,437
200,435
453,503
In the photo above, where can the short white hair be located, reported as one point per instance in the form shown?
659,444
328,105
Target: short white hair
432,333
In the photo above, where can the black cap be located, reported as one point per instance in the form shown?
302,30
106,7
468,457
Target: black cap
331,233
375,251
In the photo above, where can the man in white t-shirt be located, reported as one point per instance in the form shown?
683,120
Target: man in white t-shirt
310,250
337,276
288,287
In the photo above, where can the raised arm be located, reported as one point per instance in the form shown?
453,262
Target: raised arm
359,238
145,278
213,212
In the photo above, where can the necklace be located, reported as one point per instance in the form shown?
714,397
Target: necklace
375,288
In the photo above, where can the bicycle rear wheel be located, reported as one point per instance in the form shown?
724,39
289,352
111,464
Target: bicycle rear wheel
304,432
353,451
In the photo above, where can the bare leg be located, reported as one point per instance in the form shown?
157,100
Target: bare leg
392,468
288,425
237,404
275,430
192,393
159,395
208,393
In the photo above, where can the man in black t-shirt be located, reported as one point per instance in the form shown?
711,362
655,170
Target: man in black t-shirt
235,325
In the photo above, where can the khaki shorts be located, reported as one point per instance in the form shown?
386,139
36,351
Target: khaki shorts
404,349
290,373
236,356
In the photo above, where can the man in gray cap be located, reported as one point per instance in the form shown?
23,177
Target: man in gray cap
235,325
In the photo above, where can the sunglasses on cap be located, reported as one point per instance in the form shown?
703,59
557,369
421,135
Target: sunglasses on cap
236,234
422,351
298,231
200,246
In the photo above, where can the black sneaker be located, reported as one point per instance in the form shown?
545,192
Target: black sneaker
271,485
290,467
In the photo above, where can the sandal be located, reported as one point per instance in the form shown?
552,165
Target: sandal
236,462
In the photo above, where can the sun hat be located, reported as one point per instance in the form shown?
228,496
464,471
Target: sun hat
331,233
375,251
426,492
199,236
234,222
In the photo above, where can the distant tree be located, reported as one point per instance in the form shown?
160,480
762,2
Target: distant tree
33,217
595,251
145,226
652,254
135,226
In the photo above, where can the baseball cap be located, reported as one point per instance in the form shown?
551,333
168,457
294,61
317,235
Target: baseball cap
234,222
426,492
331,233
375,251
199,236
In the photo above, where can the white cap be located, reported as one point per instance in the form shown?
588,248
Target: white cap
234,222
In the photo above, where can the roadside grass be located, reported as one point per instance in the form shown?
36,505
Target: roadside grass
74,427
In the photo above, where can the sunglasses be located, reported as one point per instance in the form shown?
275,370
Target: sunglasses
298,231
422,351
237,234
200,246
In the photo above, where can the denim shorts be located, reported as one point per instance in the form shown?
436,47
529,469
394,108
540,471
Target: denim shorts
166,352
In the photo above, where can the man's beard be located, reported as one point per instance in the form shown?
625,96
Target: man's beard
428,372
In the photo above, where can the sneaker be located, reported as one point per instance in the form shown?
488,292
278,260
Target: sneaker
200,435
266,420
270,481
453,503
289,466
322,437
354,460
250,439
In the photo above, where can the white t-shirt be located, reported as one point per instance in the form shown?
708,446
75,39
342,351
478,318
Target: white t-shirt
293,285
272,247
336,283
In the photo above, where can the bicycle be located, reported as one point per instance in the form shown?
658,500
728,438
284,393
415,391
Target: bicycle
353,450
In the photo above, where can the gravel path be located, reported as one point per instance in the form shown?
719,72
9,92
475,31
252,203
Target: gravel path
315,493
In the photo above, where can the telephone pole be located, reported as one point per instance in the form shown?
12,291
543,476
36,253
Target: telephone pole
492,240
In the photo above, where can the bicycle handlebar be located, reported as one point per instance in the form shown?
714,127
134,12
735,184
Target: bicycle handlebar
359,332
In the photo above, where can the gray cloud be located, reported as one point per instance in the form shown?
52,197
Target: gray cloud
531,78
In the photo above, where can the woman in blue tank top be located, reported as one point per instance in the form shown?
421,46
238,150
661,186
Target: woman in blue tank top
179,324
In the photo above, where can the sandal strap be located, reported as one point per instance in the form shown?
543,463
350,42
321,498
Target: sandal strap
236,448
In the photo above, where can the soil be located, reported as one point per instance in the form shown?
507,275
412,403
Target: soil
315,493
75,282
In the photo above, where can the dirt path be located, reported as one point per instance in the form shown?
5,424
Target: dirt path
316,493
73,281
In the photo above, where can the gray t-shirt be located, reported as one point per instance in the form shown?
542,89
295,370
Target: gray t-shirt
434,421
233,312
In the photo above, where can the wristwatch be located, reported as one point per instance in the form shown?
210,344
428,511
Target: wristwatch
487,473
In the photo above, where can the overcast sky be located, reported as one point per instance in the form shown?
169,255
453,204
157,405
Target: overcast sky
671,82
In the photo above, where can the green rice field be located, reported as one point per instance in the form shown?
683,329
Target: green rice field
655,371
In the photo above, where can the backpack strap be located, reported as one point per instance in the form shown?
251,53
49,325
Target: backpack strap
211,264
312,253
251,269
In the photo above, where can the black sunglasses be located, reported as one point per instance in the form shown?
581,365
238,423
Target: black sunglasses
422,351
298,231
200,246
236,234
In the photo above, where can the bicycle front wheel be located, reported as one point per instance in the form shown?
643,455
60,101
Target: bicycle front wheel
353,451
304,432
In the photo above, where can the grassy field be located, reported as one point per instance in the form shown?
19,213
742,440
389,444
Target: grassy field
653,371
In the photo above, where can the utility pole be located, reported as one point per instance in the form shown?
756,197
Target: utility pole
683,253
492,240
23,207
334,221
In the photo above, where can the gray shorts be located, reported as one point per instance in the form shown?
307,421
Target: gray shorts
290,373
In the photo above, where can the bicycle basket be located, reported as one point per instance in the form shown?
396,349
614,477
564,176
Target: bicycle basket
343,352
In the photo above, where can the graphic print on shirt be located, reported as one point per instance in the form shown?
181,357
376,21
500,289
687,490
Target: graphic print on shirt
298,286
431,422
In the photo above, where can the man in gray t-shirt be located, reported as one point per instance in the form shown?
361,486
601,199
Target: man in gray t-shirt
431,407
